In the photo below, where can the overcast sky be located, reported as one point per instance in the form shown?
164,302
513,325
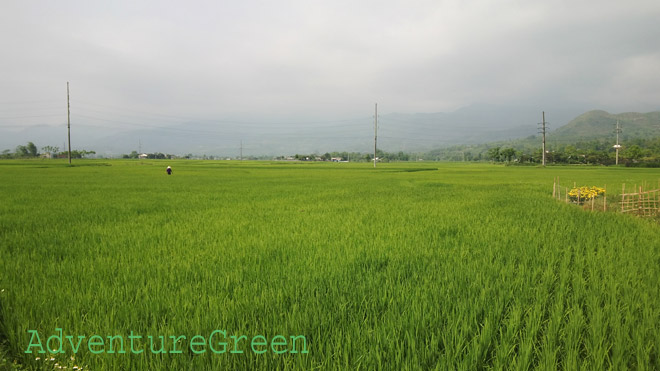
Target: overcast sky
308,59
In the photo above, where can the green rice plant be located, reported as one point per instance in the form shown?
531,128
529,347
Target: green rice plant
458,266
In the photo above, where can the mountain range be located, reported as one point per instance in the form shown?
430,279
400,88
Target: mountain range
396,132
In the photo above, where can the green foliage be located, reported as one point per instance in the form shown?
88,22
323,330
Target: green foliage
588,139
31,149
51,150
508,154
386,268
494,154
21,151
155,156
353,156
133,155
599,125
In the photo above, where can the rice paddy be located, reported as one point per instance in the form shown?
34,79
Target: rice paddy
322,266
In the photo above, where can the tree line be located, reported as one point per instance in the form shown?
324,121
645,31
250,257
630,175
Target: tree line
151,156
351,156
634,152
30,151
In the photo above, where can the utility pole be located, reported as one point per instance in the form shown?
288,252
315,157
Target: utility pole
543,132
139,146
241,155
375,132
68,119
617,145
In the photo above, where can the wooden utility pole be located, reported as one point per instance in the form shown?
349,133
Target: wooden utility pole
68,119
375,132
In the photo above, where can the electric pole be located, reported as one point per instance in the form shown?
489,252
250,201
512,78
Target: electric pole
375,132
68,119
543,133
241,154
617,145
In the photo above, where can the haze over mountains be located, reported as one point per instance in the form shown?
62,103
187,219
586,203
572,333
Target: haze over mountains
397,132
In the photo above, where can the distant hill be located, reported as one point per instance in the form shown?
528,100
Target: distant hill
479,126
587,128
598,125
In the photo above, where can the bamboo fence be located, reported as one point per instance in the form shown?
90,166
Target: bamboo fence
640,202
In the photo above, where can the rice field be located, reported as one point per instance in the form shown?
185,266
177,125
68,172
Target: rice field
286,265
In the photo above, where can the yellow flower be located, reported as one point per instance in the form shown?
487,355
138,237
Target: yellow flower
585,193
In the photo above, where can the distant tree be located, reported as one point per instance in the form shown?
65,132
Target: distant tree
81,153
633,153
32,149
494,154
593,157
51,150
571,154
508,153
523,157
133,154
21,151
6,154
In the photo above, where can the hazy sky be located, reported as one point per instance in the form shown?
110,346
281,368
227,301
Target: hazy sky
278,60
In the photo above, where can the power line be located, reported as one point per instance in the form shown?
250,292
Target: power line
180,118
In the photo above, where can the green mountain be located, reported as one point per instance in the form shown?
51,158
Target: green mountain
601,125
593,130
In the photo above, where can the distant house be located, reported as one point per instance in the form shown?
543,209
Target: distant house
336,159
142,156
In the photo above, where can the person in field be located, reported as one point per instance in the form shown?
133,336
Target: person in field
169,170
